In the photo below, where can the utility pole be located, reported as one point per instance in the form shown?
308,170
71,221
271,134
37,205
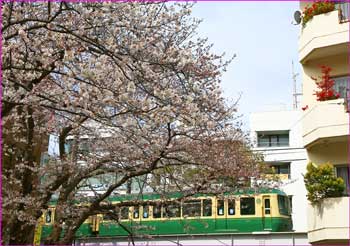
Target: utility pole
295,94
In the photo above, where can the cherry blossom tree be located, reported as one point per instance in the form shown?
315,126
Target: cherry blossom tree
134,84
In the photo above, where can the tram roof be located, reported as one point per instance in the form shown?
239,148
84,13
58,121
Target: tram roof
179,195
175,195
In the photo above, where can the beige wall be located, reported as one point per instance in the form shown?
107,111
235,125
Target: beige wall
324,30
327,119
339,65
333,152
322,225
324,41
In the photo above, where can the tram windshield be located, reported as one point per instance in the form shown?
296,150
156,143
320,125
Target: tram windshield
283,205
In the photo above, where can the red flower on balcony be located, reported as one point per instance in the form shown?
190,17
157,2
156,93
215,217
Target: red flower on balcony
317,8
325,85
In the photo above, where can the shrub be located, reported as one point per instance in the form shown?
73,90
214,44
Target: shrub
321,182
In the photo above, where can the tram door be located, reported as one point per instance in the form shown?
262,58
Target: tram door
266,213
220,215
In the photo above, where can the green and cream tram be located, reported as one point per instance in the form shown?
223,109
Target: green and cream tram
241,212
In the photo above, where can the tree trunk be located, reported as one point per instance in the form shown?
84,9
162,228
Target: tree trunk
20,233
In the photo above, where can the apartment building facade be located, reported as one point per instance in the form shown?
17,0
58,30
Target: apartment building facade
324,41
277,136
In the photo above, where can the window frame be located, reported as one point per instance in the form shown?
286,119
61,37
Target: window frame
254,207
160,206
173,204
194,203
209,208
268,137
277,167
336,79
346,182
120,213
287,211
52,216
221,207
234,207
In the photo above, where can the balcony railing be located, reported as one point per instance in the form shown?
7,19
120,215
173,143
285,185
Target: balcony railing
344,8
265,143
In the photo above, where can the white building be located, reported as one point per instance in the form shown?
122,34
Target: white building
277,136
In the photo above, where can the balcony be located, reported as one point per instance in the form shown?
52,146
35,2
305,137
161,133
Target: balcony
327,119
328,222
325,35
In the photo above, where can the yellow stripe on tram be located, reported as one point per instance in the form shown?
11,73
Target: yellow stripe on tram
37,232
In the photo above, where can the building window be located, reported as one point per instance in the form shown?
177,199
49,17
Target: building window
344,172
343,6
273,139
341,85
282,169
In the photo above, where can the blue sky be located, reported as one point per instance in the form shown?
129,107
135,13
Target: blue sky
265,41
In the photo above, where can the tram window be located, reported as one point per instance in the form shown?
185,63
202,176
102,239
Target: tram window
124,213
207,207
231,207
48,216
172,210
145,212
220,207
283,205
267,206
107,217
157,211
247,206
136,213
191,208
290,203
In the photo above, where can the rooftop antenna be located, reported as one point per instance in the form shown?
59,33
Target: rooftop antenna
295,94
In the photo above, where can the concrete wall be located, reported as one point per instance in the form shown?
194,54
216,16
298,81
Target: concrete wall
227,240
295,154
